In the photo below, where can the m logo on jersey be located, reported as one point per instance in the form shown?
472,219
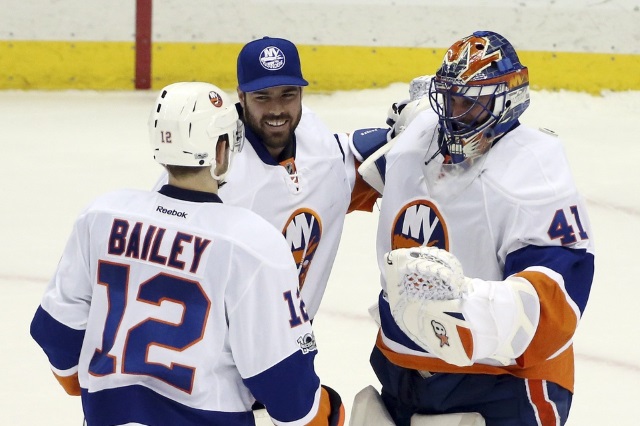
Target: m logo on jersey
302,232
272,58
419,223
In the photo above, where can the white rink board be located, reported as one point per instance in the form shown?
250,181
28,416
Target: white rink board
541,25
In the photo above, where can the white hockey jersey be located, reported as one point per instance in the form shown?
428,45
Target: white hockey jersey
175,309
515,211
307,206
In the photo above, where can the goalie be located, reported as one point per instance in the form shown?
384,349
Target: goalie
485,252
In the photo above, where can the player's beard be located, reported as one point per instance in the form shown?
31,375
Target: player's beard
274,138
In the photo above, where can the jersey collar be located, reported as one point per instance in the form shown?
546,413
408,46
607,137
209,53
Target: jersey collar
189,195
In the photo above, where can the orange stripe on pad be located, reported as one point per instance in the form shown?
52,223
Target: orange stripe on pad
545,410
466,339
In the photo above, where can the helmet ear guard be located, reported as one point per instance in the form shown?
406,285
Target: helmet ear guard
187,121
484,72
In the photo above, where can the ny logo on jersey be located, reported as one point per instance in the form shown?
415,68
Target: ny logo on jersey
419,223
302,232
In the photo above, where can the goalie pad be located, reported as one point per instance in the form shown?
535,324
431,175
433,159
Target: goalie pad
457,319
261,417
369,410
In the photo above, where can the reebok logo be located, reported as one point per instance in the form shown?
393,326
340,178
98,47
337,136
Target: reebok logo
366,132
171,212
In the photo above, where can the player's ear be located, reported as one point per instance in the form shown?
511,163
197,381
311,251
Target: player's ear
241,96
222,154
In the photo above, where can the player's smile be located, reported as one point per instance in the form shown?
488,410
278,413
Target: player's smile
276,123
276,132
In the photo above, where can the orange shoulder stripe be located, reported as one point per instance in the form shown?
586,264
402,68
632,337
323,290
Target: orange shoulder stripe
363,197
557,323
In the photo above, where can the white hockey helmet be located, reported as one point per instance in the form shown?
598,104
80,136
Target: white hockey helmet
187,121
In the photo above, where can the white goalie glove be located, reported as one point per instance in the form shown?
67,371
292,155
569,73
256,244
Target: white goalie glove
458,319
400,114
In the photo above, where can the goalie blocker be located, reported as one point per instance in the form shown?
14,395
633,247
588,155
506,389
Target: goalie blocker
458,319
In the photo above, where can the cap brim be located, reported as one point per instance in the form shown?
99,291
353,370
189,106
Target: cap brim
272,81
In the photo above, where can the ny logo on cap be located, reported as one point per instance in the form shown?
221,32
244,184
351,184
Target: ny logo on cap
272,58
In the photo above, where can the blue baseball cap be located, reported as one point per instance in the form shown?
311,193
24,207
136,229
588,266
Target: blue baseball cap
269,62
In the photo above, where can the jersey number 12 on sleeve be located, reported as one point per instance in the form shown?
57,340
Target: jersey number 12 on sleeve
296,319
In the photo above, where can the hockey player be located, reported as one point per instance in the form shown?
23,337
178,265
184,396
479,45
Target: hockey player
471,192
171,308
293,171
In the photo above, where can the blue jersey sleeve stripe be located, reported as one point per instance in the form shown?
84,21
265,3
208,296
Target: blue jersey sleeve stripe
288,388
60,343
575,265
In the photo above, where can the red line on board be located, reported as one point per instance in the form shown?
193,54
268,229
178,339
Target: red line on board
143,44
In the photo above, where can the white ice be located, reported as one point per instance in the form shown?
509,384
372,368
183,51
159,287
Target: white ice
64,148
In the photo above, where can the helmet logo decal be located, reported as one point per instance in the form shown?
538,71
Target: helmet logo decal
518,79
272,58
469,57
303,231
419,223
215,98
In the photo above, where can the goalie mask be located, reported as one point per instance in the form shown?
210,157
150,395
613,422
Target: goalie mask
187,122
478,93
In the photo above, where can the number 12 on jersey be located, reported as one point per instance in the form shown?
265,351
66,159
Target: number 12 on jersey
151,331
297,311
